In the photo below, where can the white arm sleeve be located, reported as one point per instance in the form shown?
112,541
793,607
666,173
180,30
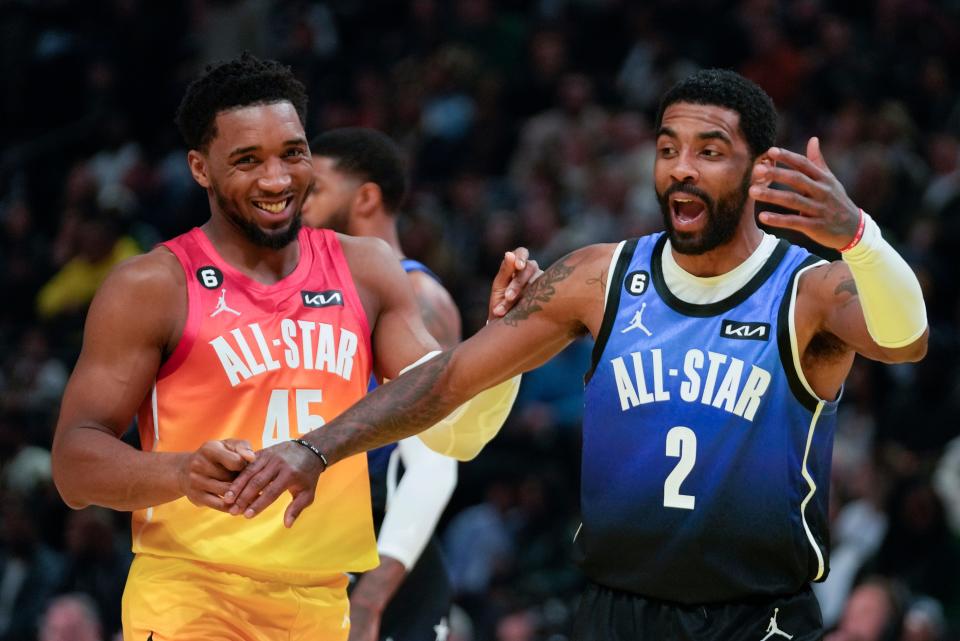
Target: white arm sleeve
415,507
889,291
468,428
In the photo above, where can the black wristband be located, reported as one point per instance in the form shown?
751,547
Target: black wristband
313,448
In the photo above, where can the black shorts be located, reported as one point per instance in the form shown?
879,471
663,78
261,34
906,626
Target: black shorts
420,609
612,615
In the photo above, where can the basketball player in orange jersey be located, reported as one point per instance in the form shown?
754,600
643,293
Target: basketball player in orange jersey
243,333
360,186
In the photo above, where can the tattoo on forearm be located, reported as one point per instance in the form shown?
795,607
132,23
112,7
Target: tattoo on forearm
391,412
601,280
847,286
541,291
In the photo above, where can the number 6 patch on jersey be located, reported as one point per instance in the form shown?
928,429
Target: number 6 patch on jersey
636,282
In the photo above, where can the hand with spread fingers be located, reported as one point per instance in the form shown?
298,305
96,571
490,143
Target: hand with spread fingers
206,474
826,213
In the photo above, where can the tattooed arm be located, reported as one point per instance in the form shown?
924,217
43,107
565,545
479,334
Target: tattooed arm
564,303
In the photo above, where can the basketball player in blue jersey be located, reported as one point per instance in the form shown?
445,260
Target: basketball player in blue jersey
360,185
720,354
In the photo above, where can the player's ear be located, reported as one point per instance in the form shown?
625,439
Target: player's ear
198,167
368,199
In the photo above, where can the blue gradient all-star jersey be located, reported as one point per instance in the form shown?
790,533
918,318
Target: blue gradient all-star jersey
378,460
706,456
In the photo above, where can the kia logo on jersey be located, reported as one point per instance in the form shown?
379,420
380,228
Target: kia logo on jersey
322,299
745,330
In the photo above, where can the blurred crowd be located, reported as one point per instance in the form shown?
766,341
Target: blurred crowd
524,122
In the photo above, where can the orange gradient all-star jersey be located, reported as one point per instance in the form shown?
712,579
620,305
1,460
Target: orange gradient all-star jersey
265,363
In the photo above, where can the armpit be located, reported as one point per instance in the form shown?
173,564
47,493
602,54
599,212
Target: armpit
824,346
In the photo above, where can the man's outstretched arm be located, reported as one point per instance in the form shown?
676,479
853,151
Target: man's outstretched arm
561,305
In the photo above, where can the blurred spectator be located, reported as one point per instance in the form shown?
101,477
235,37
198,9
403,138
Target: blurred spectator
873,613
71,617
556,145
918,548
29,571
32,380
477,542
550,399
924,621
100,246
518,626
97,561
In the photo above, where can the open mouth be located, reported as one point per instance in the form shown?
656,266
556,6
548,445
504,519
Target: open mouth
273,208
687,210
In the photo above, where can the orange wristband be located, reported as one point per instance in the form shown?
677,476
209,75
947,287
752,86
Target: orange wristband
857,236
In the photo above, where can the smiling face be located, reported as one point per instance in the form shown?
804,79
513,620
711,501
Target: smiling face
702,174
258,170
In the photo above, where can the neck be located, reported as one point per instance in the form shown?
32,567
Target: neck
726,257
262,264
380,225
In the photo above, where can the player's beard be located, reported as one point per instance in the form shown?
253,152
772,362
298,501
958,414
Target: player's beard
338,220
723,217
267,239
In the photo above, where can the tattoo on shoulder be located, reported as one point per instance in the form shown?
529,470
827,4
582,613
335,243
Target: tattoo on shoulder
847,286
599,280
541,291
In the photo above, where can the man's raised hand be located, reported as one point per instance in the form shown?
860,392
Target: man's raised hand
517,270
826,213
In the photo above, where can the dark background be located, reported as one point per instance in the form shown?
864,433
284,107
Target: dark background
524,123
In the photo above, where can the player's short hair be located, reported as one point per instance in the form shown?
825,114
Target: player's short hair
369,155
241,82
724,88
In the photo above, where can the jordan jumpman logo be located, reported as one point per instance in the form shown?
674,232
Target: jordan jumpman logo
774,629
637,323
222,305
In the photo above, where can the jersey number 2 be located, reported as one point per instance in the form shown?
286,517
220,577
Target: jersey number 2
682,444
276,429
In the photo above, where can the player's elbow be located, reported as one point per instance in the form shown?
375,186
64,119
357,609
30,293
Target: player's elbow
65,477
911,353
917,350
67,488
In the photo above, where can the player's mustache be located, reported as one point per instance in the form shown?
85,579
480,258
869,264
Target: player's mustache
687,188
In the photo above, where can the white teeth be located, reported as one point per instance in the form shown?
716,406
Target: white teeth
273,208
683,200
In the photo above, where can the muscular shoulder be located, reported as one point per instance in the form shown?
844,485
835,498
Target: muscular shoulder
367,257
823,287
439,312
585,271
157,272
375,270
148,291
